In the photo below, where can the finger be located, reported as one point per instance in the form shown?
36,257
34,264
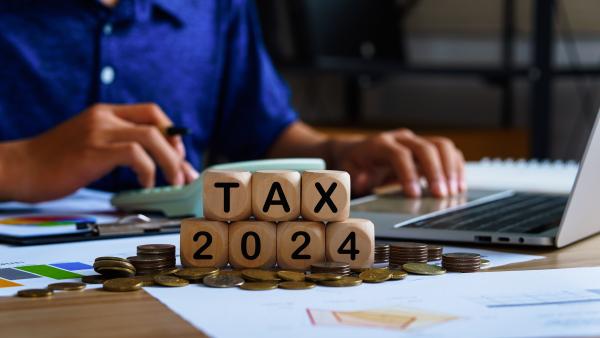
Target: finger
431,165
152,140
462,181
189,172
401,159
132,155
149,113
448,155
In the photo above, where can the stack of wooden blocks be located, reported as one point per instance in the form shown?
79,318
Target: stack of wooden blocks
281,217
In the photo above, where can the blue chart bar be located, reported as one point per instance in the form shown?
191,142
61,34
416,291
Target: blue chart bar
72,266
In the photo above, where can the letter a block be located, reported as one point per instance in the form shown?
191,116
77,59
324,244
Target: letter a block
300,244
276,195
252,244
351,241
227,195
204,243
325,195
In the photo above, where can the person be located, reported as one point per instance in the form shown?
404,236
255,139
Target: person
86,87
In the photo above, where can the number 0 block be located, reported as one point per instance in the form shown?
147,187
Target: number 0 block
300,244
227,195
252,244
276,195
325,195
204,243
351,241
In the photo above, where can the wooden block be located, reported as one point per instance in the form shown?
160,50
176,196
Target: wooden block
276,195
351,241
252,244
325,195
300,244
204,243
227,195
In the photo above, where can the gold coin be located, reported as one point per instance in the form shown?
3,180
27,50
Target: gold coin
169,271
398,274
109,263
66,286
110,258
258,286
147,280
237,273
295,285
291,276
320,277
484,262
122,285
260,275
195,274
93,279
375,276
423,269
343,282
114,271
34,293
223,281
172,281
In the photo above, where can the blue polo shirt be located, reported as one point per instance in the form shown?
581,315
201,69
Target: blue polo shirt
202,61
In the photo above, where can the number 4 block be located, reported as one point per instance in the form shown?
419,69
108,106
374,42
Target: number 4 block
204,243
351,241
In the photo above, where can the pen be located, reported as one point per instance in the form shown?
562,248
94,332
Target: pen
176,130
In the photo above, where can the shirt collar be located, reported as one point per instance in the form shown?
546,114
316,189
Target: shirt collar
144,10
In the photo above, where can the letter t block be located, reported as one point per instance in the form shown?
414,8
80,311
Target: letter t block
227,195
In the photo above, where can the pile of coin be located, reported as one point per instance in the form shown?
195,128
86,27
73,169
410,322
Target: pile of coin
434,252
336,268
50,289
382,254
408,252
461,262
153,258
113,267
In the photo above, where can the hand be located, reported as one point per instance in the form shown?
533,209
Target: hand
404,157
90,145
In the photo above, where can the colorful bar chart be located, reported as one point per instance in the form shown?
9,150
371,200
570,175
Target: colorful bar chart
11,277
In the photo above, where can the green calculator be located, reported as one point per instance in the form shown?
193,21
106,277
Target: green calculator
182,201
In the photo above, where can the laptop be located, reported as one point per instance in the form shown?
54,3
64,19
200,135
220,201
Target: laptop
495,217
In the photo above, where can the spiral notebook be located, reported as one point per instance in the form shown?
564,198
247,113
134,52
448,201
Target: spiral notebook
555,177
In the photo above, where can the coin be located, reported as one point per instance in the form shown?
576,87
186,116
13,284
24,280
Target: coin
109,263
110,258
342,282
159,248
397,274
295,285
172,281
223,281
423,269
122,284
330,265
319,277
375,275
484,262
66,286
434,252
461,262
196,274
461,256
258,286
292,276
260,275
237,273
93,279
147,280
116,272
34,293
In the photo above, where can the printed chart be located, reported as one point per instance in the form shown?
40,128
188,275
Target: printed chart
33,275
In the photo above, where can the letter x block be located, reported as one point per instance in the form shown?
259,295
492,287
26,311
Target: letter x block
227,195
276,195
325,195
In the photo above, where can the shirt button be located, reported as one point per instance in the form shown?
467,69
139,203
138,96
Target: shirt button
107,75
107,29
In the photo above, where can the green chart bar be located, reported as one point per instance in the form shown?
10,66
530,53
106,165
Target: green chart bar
49,271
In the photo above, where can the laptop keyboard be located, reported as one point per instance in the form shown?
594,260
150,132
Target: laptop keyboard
520,213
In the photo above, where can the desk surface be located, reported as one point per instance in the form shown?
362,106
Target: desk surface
137,314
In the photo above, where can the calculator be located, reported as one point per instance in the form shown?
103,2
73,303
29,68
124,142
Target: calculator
186,201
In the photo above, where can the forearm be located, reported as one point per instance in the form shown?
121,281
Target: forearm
11,171
301,140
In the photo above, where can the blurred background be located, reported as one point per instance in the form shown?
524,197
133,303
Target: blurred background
502,78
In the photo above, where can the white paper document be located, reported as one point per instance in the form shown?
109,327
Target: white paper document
563,302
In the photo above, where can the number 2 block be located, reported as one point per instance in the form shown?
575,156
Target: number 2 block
204,243
252,244
351,241
300,244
